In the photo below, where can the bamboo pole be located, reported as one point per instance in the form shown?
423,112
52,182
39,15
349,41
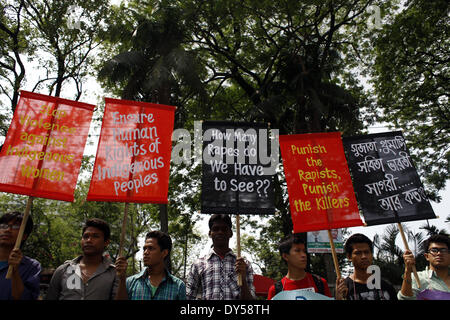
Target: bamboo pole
333,253
400,228
21,231
238,244
124,227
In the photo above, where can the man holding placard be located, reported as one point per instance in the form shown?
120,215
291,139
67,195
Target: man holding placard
436,276
216,274
24,283
359,250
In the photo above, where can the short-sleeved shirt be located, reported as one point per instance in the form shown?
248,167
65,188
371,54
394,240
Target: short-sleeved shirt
67,283
307,283
215,278
29,271
140,288
360,291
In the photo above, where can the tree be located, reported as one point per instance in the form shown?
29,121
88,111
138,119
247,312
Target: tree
152,64
389,257
433,230
13,33
66,35
411,79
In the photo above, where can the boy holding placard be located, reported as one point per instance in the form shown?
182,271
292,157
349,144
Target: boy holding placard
359,250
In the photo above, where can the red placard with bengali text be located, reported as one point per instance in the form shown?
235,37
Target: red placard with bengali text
320,189
133,155
42,152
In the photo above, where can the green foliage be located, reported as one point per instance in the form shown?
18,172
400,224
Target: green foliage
411,79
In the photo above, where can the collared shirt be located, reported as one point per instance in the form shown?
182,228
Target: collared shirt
216,278
170,288
29,271
428,280
67,283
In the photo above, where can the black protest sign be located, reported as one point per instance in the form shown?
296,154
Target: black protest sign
386,183
237,168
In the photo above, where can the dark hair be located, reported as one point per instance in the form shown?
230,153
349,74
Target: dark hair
99,224
220,217
286,245
18,217
164,240
356,238
437,238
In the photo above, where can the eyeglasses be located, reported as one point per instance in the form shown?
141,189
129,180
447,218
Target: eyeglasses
435,251
6,226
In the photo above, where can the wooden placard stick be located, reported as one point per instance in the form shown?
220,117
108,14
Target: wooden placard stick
238,244
124,228
405,243
333,253
21,231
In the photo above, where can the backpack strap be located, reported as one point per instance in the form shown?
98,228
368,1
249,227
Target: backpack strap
278,287
319,283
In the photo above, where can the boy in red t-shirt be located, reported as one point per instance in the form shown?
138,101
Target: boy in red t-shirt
293,251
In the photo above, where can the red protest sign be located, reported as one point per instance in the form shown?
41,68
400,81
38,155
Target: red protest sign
42,153
133,155
319,185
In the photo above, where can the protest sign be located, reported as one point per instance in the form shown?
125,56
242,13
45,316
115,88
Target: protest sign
133,156
42,153
236,178
237,171
320,190
319,242
386,182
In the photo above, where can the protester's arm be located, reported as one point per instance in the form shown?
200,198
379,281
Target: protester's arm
192,283
182,291
407,291
247,279
326,288
271,292
341,289
121,269
17,287
54,287
31,279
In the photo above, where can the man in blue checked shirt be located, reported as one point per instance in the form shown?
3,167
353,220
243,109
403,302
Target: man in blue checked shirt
214,277
155,282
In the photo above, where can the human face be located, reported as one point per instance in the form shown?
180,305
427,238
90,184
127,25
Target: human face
93,241
220,234
152,253
297,257
361,256
9,235
439,260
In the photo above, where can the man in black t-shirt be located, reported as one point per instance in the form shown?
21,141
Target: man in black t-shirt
359,250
